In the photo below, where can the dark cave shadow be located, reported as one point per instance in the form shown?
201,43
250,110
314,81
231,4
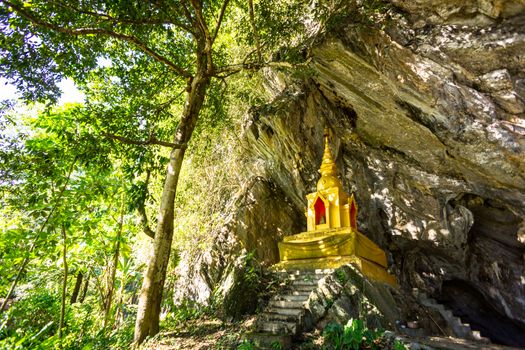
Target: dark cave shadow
471,306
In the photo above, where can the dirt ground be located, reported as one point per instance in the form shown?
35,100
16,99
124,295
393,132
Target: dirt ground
200,334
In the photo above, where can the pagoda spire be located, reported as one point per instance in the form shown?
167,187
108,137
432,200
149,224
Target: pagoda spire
329,174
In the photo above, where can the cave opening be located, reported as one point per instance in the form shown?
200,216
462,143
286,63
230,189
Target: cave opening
494,262
469,304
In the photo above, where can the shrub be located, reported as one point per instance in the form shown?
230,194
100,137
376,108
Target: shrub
29,320
353,336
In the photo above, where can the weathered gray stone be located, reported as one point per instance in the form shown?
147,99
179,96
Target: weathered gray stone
509,101
456,11
420,145
348,294
428,131
496,80
253,227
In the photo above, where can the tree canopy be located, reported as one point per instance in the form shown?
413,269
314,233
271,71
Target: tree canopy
150,70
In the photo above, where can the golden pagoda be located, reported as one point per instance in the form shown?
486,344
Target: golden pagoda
332,239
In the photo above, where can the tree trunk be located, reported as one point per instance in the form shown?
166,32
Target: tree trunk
152,287
113,273
85,289
76,290
64,286
255,32
119,317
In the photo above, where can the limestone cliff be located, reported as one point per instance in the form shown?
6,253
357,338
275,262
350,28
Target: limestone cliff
426,102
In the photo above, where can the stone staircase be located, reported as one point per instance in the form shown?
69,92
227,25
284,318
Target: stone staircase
284,317
460,329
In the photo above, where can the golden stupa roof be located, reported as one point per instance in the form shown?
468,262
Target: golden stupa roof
328,169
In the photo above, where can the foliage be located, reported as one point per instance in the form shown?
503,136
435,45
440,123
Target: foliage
31,324
354,335
207,181
242,297
398,345
186,311
64,179
340,275
30,320
277,345
245,345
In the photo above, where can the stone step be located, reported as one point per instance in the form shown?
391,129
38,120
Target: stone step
267,341
304,288
271,316
287,304
476,335
454,319
306,272
461,329
427,301
448,314
292,297
284,311
312,277
312,283
440,307
305,293
278,327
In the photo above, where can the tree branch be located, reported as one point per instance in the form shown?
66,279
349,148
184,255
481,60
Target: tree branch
151,141
104,17
255,32
33,18
219,21
142,210
178,23
205,35
98,284
226,71
187,13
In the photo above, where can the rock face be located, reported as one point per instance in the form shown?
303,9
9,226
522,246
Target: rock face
253,227
427,112
348,294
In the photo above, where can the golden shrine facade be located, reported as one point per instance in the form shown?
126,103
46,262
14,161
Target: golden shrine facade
332,238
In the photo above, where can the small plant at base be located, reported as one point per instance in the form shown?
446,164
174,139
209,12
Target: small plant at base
333,334
276,345
329,302
352,336
398,345
340,276
245,345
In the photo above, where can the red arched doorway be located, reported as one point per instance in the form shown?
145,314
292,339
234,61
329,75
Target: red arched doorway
320,212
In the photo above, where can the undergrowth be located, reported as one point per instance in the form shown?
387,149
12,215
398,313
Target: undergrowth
354,335
31,323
